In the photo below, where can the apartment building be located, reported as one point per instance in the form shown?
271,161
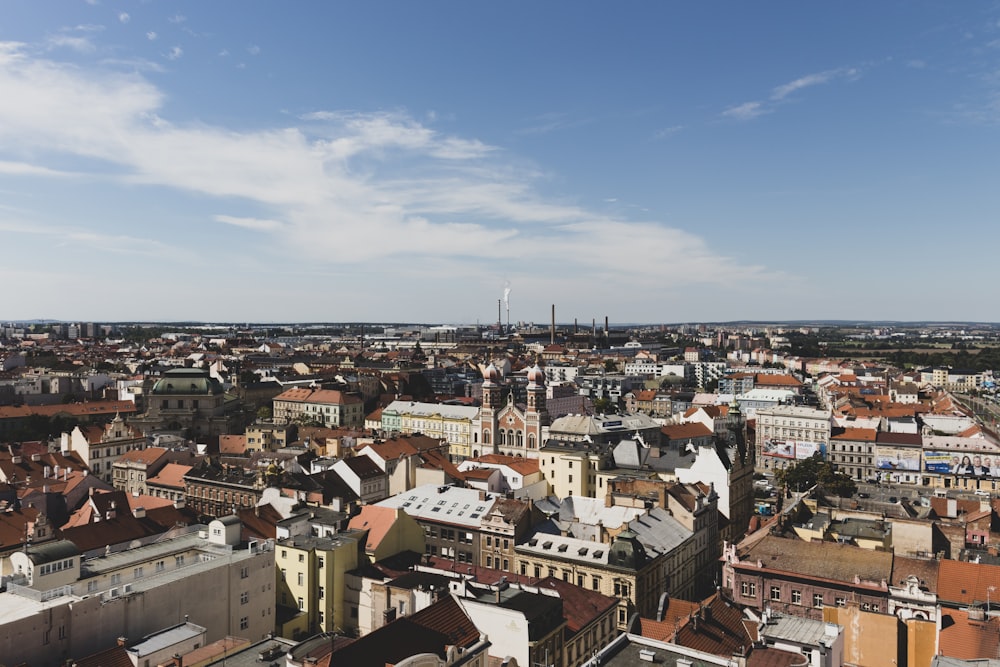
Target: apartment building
787,433
452,423
329,407
61,605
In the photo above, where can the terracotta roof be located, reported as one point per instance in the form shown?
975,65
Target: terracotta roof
480,473
854,434
677,612
148,456
72,409
377,521
516,463
771,380
965,583
964,637
232,444
684,431
171,475
115,656
259,522
581,606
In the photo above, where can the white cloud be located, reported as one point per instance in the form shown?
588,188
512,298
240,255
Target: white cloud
347,188
253,50
745,111
174,53
250,223
177,19
73,42
779,94
124,17
151,36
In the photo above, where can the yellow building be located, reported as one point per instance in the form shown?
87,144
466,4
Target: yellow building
389,531
310,577
453,423
572,468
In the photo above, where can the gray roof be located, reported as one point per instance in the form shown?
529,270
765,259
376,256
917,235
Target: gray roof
49,552
802,631
166,638
659,532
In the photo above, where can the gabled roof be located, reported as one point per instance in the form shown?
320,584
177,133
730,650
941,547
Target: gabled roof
171,475
686,431
147,456
378,521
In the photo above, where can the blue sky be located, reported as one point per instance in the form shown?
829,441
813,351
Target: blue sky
408,161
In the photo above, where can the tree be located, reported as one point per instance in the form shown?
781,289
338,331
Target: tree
807,473
264,413
610,366
601,405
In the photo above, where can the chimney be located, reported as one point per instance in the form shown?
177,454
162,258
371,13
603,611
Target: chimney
36,457
139,512
122,641
552,332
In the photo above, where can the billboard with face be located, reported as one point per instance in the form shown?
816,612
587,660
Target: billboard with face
966,464
897,458
792,449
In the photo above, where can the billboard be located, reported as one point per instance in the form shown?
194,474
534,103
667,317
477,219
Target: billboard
897,458
792,449
971,464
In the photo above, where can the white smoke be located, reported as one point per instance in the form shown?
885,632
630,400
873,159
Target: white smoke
506,294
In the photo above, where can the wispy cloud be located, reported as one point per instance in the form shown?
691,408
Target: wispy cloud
175,53
551,122
745,111
253,50
151,36
250,223
78,43
124,17
667,132
780,94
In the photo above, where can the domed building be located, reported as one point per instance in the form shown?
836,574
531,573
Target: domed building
189,400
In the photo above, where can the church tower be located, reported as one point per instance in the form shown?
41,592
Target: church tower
490,410
536,415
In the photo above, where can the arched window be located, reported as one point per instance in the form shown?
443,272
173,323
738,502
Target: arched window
486,437
531,441
501,437
520,439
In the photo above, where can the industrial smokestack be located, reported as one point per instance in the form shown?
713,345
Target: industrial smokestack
593,326
605,325
499,315
576,326
552,331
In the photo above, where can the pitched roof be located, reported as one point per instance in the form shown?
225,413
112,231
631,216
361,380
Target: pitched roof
171,475
686,431
377,521
963,636
581,606
964,583
147,456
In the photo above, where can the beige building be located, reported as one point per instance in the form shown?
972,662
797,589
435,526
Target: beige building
327,407
787,433
100,446
263,436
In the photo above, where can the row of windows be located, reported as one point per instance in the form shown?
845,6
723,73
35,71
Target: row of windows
58,566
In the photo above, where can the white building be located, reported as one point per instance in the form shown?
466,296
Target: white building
64,606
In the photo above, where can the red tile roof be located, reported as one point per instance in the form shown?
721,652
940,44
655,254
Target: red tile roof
965,583
967,638
377,521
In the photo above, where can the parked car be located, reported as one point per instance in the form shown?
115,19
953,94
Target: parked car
864,495
893,499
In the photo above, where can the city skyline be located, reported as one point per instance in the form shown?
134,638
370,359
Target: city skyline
419,163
